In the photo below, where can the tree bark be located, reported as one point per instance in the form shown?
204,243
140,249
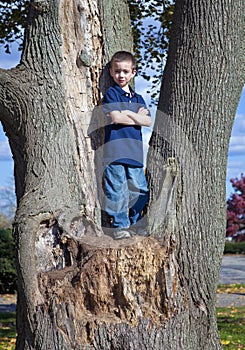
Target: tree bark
202,83
46,106
77,288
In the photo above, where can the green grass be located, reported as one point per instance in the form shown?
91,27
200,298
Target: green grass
7,331
231,325
231,288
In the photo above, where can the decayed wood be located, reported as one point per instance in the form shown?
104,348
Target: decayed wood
132,281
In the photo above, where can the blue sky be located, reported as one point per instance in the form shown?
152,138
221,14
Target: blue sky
236,158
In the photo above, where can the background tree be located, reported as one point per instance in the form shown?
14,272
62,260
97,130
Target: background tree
8,200
236,207
77,289
8,275
4,222
13,19
151,23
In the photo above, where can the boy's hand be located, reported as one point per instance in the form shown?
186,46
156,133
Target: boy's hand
143,111
121,117
141,117
128,117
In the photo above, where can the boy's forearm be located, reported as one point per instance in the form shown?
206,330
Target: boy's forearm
118,117
128,117
140,119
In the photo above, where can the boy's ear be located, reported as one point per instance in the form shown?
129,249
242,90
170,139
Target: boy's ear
134,71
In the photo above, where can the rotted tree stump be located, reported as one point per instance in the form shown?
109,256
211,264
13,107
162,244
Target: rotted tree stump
112,287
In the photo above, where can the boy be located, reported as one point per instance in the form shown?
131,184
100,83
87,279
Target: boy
124,180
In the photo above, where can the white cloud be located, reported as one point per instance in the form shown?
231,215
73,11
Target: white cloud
237,141
239,124
235,168
5,153
237,145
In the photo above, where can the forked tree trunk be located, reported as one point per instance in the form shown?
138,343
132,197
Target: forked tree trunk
79,289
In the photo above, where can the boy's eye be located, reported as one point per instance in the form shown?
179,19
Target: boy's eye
124,71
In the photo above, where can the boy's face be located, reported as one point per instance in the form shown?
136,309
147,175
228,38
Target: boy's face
122,72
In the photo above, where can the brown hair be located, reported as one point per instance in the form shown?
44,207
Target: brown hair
120,56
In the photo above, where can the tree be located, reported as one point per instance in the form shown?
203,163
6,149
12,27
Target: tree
8,276
8,200
236,207
4,222
151,23
13,19
78,289
201,86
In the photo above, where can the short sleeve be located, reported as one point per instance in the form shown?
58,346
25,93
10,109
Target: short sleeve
111,102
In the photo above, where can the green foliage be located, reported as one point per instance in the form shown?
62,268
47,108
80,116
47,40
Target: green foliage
151,23
12,22
8,275
234,248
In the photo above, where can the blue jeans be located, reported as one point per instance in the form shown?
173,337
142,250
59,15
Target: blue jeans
126,194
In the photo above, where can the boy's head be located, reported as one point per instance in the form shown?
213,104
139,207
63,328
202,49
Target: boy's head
123,56
122,68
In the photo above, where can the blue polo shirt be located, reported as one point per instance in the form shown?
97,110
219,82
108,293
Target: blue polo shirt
123,143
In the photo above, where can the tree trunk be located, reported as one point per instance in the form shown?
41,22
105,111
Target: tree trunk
202,83
77,288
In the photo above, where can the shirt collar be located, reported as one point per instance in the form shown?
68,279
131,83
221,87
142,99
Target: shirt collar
123,92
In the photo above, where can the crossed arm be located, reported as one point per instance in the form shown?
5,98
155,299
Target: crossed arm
128,117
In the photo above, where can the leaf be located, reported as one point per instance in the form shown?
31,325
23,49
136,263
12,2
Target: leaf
151,22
